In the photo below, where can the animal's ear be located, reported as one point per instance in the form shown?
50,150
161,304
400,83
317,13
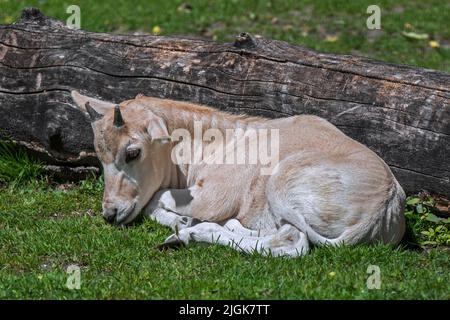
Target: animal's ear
94,107
157,130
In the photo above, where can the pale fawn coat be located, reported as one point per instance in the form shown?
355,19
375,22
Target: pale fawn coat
326,188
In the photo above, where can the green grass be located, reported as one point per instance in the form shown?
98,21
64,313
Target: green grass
427,225
16,165
304,22
44,229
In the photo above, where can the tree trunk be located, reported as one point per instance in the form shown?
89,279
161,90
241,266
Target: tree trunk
400,112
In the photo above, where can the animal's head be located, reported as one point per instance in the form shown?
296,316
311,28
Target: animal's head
131,143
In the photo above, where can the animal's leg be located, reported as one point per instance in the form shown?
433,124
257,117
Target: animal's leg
287,241
167,218
172,220
235,226
301,200
175,203
175,199
208,199
336,202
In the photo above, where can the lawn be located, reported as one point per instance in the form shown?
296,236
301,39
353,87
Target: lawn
46,227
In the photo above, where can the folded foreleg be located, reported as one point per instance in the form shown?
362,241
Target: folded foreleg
286,241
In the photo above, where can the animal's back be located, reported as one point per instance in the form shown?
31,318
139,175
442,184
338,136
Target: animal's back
341,188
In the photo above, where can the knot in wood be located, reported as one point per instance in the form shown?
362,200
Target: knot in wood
244,40
33,15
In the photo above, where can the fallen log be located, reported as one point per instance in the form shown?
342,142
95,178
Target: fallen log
400,112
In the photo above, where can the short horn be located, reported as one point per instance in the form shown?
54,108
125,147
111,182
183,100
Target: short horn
118,120
94,115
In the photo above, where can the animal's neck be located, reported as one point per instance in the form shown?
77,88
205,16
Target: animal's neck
184,115
196,120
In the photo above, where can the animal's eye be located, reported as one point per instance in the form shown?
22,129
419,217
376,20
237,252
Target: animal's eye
132,154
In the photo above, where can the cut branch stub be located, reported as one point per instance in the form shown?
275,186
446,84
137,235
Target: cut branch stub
244,40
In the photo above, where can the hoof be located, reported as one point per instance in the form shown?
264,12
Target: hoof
195,221
189,222
172,242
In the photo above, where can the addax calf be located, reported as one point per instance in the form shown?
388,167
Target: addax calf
325,188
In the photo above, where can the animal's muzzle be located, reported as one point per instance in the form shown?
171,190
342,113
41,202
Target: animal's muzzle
114,215
110,215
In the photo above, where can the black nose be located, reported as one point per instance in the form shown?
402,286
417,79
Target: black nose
109,219
110,215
